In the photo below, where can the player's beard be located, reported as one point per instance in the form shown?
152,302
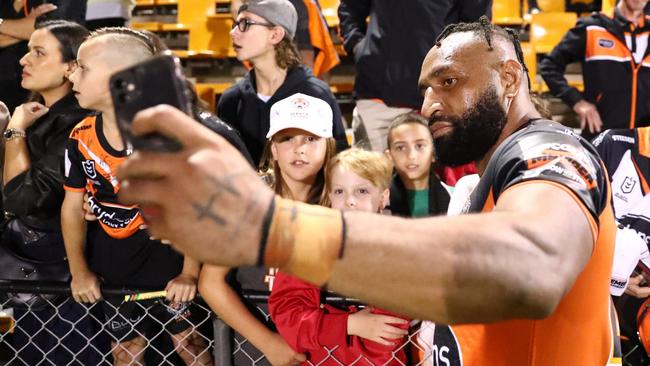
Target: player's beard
473,133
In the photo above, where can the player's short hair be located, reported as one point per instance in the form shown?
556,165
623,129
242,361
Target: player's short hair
372,166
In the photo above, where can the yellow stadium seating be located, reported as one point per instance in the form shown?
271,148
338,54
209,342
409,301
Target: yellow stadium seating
551,6
530,58
507,12
547,29
209,32
608,6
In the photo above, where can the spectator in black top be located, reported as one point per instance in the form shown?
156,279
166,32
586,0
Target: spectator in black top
388,53
612,49
17,20
263,34
33,185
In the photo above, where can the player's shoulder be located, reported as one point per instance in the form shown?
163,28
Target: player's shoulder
623,137
545,138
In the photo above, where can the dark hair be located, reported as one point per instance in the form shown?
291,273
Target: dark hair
410,117
487,29
286,54
69,34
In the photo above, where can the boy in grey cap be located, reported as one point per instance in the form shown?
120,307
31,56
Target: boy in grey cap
277,12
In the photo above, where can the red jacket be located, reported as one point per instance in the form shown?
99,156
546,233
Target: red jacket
310,327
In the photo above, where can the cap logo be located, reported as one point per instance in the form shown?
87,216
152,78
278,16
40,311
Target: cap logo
300,103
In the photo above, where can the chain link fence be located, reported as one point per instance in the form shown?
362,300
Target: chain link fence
40,324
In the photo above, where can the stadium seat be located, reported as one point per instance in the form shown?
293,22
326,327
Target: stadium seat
530,58
547,29
506,12
608,6
209,32
551,6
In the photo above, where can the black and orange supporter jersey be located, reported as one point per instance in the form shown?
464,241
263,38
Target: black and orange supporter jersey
580,330
615,60
90,166
626,154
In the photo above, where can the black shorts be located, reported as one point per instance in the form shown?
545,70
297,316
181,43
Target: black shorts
128,320
136,261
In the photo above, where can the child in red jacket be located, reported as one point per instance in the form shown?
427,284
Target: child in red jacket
355,180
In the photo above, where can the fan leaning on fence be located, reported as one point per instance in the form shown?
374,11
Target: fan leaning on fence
32,177
122,252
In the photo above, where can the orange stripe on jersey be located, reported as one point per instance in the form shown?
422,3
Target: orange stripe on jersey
72,189
643,141
578,333
602,45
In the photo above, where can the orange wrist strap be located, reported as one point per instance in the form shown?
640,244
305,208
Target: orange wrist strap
304,240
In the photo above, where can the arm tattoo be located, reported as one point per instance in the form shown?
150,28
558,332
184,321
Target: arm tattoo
221,185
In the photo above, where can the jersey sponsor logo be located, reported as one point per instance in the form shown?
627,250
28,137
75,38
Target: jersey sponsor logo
620,138
618,283
445,350
628,185
79,129
116,218
605,43
89,168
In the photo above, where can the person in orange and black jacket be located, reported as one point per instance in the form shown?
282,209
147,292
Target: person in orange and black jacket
613,50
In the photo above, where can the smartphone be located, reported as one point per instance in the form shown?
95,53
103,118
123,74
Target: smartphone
158,80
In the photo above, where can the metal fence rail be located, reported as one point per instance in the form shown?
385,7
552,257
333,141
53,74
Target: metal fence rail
50,328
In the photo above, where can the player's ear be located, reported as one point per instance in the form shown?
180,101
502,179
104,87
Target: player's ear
511,73
385,196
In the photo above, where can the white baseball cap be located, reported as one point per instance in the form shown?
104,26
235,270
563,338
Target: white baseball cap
303,112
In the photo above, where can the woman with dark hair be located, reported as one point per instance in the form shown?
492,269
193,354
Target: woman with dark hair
263,34
33,188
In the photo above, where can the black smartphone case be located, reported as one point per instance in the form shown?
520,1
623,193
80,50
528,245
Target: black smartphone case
147,84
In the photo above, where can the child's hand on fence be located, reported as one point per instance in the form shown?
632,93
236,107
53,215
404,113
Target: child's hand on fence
376,327
278,352
85,287
182,288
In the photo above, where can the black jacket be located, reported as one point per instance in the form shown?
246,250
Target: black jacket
240,107
35,196
393,44
11,93
608,68
438,197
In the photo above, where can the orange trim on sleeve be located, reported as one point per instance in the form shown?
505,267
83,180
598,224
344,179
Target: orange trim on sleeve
73,189
585,210
643,141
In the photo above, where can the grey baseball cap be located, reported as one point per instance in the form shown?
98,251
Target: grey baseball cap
277,12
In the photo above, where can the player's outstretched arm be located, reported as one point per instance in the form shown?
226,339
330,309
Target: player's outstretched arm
518,261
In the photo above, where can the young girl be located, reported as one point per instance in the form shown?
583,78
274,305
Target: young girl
356,180
263,34
32,175
300,142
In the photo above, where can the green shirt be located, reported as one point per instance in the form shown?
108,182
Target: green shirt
418,202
